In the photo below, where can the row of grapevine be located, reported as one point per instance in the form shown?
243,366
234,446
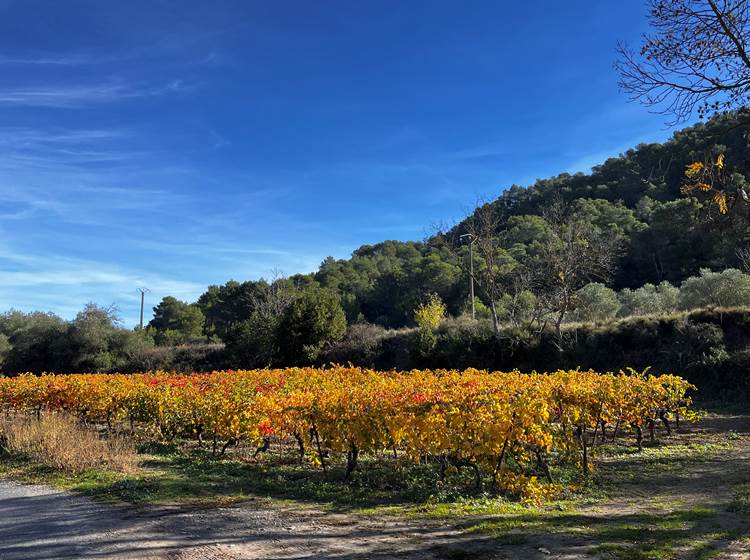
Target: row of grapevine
503,425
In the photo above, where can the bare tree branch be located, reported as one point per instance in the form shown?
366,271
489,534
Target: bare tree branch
696,59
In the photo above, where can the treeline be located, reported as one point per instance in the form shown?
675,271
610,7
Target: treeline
287,325
633,202
43,342
709,347
617,242
649,326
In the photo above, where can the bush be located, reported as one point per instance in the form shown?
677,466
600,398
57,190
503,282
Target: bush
360,346
728,378
649,300
460,343
428,317
255,342
430,314
596,302
515,308
698,344
5,349
373,346
184,359
314,320
729,288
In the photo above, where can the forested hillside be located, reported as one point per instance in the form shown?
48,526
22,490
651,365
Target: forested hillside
621,241
635,196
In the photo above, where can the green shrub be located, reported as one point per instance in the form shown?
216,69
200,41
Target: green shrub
314,320
729,288
649,299
596,302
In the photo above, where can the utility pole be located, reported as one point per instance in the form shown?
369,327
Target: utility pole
143,296
471,270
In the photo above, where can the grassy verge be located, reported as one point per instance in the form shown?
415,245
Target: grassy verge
183,474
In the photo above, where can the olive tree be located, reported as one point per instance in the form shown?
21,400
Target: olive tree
729,288
649,299
596,302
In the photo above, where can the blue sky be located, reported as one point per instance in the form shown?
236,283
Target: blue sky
179,144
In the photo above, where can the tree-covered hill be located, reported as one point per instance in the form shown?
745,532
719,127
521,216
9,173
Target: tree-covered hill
636,197
622,241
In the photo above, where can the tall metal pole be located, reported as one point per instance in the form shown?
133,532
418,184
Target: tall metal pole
471,279
143,296
472,238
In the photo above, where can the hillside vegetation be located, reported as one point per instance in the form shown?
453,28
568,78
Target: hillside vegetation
562,268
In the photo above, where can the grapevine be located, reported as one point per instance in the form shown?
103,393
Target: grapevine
507,427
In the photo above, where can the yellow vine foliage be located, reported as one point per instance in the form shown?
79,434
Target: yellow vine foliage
720,199
500,423
694,169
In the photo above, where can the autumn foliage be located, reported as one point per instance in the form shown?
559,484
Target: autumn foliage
509,427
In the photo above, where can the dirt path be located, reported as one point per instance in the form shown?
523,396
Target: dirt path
38,522
670,499
688,503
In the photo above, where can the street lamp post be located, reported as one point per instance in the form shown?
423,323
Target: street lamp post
471,271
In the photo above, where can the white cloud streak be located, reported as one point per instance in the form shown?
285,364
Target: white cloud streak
55,60
72,97
63,285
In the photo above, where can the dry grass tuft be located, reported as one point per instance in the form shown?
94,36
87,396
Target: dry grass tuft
61,442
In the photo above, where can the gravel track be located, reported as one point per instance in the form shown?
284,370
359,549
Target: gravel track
37,522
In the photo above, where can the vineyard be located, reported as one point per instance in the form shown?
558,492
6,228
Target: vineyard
511,429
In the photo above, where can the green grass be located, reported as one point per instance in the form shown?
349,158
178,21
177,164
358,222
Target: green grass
189,475
741,499
183,473
709,546
682,533
89,482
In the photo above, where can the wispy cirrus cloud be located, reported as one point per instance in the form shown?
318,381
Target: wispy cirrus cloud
84,176
26,135
195,48
54,150
71,97
56,60
64,285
